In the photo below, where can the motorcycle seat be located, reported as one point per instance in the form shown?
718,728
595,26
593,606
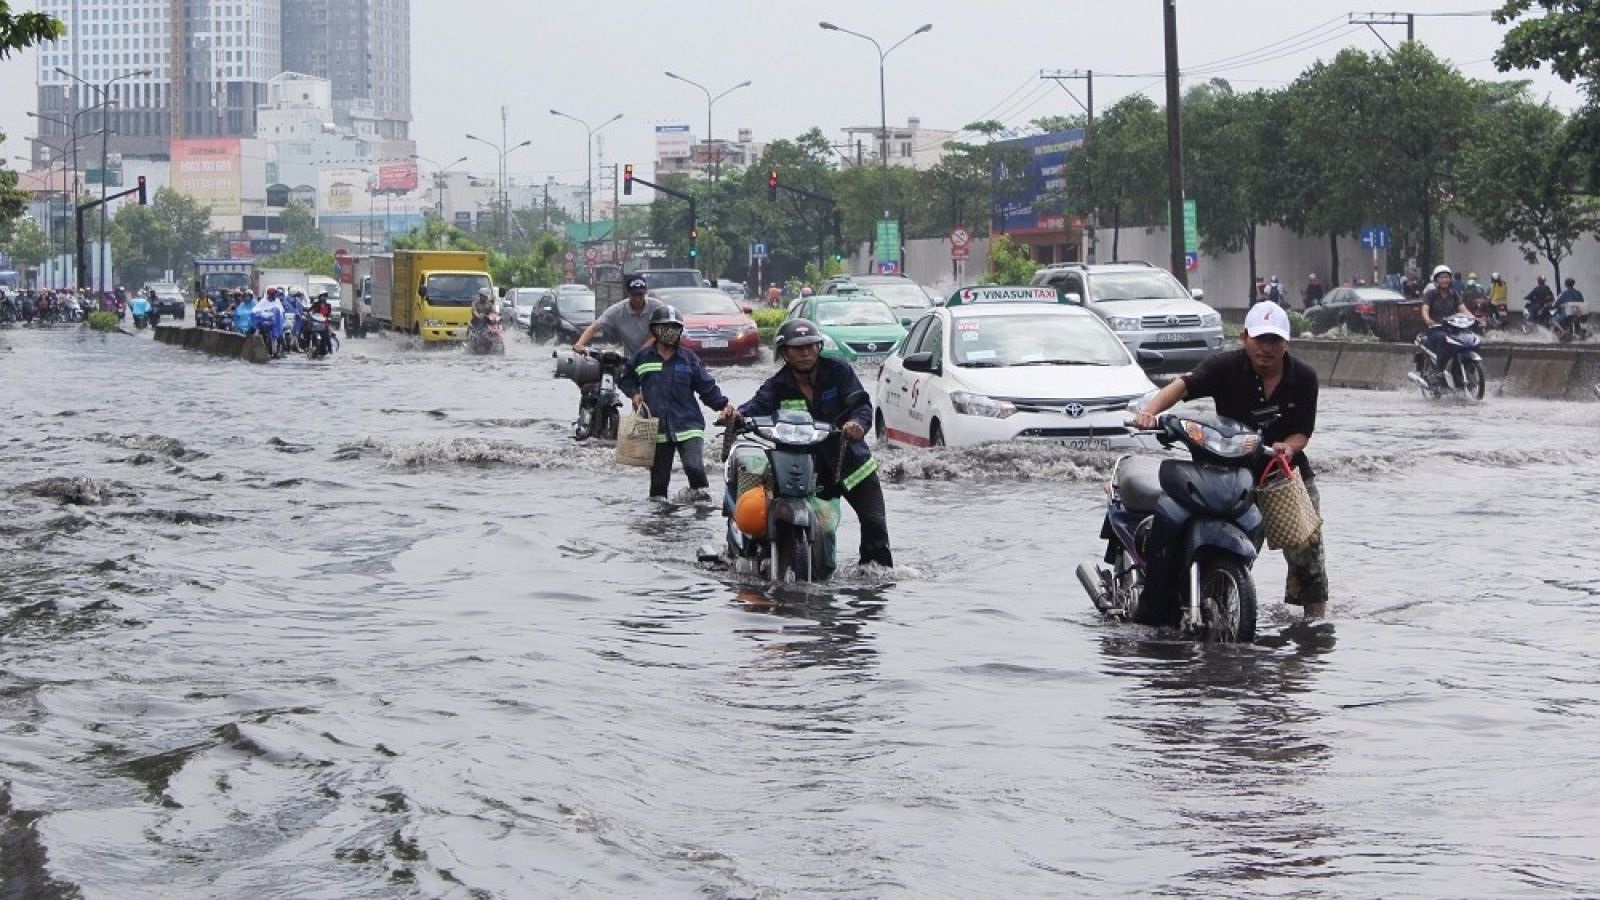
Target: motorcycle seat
1139,483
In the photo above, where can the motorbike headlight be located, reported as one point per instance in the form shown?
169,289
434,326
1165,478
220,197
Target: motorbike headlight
794,433
979,405
1210,320
1214,441
1123,323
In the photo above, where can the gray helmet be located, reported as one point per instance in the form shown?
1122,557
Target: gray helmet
796,333
666,315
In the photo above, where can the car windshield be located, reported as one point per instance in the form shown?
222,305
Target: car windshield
455,289
525,299
227,281
900,295
670,278
1153,284
1034,340
701,303
855,312
572,304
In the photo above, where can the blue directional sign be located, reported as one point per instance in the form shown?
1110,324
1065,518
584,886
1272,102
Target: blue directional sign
1375,237
758,251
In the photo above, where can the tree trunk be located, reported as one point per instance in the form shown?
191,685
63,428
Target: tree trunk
1333,256
1426,260
1116,231
1250,245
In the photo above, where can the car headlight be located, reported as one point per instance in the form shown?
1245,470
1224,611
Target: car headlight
1210,320
1123,323
979,405
432,323
748,330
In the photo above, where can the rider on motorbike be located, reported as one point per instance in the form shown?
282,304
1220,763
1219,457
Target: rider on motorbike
665,378
321,307
628,322
821,386
1440,301
1540,297
482,307
1569,305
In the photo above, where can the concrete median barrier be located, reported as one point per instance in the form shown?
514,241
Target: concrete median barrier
1380,366
1540,372
217,343
1512,370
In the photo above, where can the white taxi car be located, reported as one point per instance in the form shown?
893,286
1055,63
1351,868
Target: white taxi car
1005,363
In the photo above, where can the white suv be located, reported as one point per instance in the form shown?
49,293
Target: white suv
1145,306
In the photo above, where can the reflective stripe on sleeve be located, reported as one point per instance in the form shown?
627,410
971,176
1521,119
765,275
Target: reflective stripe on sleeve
646,368
860,474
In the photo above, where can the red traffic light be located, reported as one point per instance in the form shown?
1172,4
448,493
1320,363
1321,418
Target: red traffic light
143,201
627,178
772,185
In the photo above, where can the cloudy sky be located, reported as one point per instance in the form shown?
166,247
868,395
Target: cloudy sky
981,60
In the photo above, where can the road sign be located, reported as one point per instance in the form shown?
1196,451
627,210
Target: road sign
888,267
1375,237
758,251
1191,230
1191,260
572,257
960,251
960,237
591,255
888,244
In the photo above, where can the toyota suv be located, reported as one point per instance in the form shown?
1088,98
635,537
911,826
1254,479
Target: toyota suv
1145,306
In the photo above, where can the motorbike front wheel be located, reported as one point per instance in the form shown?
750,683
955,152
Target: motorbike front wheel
1227,601
793,563
606,429
585,424
1470,377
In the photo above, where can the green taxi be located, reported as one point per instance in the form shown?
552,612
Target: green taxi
855,326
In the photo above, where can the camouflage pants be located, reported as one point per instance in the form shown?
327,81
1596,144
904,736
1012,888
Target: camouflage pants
1308,574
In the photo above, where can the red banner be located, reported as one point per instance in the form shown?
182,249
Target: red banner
400,178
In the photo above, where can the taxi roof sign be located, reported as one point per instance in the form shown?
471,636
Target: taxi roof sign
991,293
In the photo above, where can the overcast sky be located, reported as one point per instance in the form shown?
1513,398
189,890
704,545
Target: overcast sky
981,60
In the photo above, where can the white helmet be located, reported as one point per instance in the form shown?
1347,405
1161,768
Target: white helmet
1494,276
1440,269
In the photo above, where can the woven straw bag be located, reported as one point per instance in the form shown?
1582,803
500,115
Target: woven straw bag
636,438
1290,519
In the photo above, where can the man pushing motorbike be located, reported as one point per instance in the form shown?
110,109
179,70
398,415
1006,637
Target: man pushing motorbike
1265,388
628,322
829,390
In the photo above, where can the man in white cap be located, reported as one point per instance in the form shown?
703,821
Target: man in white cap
1264,387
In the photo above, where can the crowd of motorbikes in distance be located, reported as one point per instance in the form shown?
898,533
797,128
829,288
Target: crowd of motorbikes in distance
49,307
293,325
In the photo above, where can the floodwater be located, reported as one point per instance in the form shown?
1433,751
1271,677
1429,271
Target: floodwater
377,627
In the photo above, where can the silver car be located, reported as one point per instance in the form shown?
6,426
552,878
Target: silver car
1145,306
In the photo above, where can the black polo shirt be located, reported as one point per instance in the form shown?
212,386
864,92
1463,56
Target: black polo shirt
1230,380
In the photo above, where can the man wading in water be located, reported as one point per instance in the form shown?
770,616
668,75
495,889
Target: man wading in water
1264,387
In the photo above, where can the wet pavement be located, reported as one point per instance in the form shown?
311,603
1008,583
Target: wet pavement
376,626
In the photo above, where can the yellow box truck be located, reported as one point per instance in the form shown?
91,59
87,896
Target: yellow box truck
429,293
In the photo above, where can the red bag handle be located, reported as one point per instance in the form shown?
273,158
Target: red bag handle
1279,461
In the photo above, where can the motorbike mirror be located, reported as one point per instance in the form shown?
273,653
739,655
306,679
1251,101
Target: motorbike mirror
1151,360
921,362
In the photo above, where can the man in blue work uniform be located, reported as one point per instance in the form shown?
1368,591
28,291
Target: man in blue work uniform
665,378
830,391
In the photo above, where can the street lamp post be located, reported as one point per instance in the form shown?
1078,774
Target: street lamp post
439,182
72,193
715,166
502,214
102,92
588,181
883,105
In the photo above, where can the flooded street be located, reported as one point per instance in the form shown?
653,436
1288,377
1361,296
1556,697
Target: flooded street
378,627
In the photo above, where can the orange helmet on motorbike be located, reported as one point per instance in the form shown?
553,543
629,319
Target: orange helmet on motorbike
750,512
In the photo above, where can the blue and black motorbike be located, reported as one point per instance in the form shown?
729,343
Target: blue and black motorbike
1182,535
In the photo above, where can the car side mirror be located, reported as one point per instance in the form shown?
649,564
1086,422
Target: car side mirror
923,362
748,309
422,292
502,292
905,323
1074,298
1151,360
1198,293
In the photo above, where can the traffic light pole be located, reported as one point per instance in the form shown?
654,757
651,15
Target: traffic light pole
92,204
832,205
694,227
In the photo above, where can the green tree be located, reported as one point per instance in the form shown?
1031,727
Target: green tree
168,234
1009,262
436,235
20,30
299,226
1521,185
26,244
1230,144
12,200
308,258
537,266
1563,36
1120,167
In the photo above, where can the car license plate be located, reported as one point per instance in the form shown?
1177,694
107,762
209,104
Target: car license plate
1089,444
1170,337
714,344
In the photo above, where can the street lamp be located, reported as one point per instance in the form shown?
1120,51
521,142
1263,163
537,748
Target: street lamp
102,92
72,194
883,107
588,181
439,182
710,101
501,200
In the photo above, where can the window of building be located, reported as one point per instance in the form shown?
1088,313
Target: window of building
905,149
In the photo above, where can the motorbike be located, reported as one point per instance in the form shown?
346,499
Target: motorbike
205,318
320,339
261,324
140,307
1575,327
8,310
485,337
1182,535
1462,373
595,372
779,527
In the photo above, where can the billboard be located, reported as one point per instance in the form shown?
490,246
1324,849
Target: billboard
400,178
674,142
1043,177
207,169
342,191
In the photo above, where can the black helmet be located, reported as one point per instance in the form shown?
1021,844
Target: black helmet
796,333
666,315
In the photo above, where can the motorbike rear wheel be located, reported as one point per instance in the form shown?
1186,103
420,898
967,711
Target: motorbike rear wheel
1227,601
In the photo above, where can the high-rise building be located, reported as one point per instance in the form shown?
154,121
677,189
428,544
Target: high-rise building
172,68
364,48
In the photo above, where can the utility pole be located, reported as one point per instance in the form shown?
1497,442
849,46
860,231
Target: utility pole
1175,230
1393,18
1058,76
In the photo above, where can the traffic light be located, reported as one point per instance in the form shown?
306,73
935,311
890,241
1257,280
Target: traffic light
694,237
143,201
772,185
627,178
